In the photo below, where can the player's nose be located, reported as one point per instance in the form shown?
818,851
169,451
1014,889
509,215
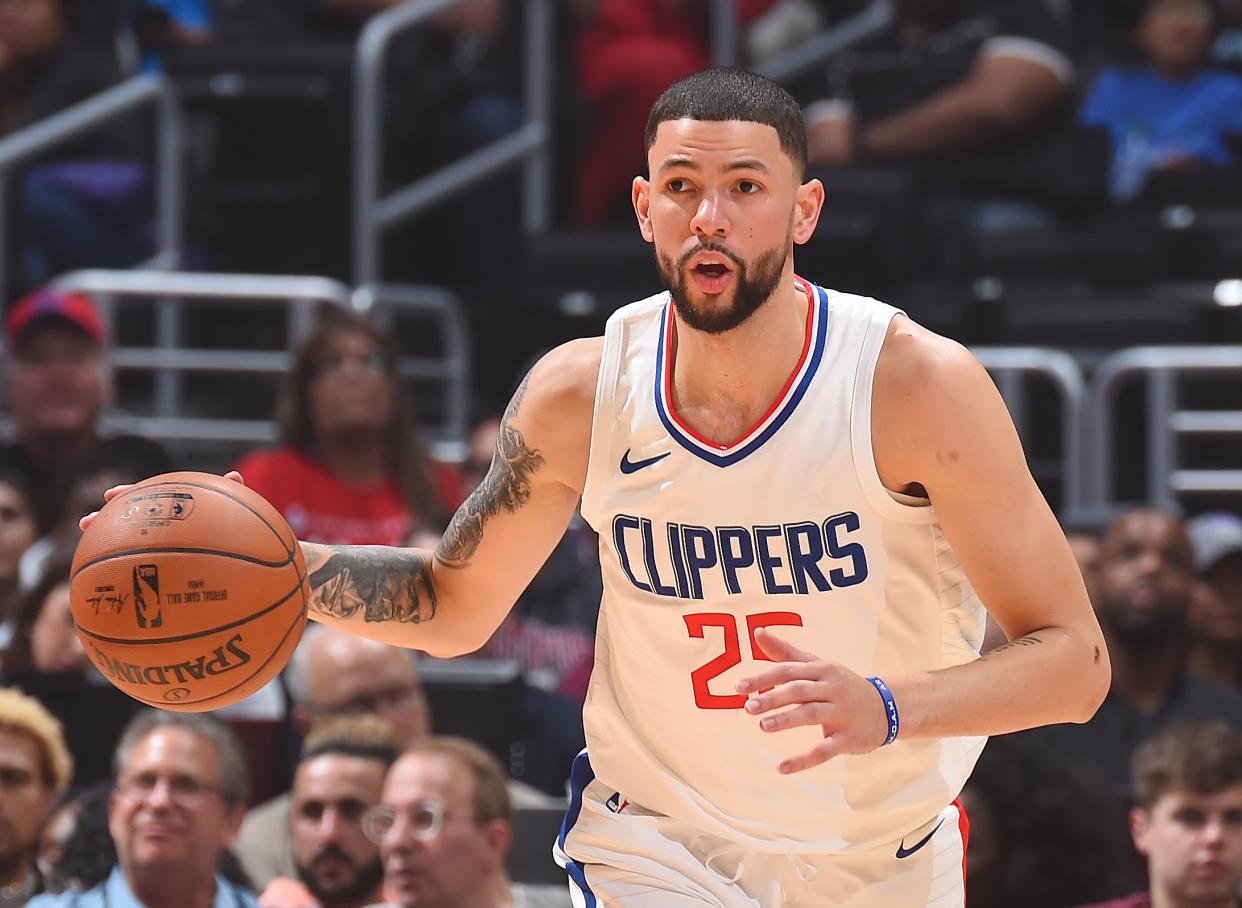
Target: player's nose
711,217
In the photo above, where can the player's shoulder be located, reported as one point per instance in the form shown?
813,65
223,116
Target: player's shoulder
567,373
916,362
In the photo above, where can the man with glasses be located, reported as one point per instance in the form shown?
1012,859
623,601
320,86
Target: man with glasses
180,792
444,826
35,766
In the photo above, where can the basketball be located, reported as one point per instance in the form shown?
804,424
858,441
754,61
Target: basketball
189,591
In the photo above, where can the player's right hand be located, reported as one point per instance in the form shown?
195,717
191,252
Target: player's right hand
117,490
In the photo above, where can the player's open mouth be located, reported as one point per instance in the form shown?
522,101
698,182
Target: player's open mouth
712,276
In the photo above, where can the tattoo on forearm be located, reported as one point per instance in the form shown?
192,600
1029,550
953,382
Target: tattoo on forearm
385,584
506,487
1028,640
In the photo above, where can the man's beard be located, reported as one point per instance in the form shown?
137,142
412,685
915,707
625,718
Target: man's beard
1153,628
368,878
750,290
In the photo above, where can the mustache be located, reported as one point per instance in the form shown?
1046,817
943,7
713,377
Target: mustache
711,246
332,851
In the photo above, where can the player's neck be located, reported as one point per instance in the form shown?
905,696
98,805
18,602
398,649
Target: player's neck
724,383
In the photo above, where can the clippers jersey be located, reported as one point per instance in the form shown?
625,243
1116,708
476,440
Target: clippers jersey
791,528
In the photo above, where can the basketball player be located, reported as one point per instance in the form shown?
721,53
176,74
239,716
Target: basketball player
802,498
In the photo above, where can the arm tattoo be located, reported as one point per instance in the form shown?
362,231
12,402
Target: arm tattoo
505,487
385,584
1028,640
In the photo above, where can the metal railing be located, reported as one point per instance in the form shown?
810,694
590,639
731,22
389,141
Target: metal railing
373,213
169,357
1012,368
137,92
1163,370
871,20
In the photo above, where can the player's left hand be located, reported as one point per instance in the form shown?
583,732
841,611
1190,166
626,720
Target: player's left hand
844,704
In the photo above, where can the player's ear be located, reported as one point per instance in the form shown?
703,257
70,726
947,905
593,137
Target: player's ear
642,207
808,203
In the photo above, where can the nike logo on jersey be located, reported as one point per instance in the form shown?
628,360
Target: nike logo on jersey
633,466
904,852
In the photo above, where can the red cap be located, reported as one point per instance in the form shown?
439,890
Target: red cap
77,309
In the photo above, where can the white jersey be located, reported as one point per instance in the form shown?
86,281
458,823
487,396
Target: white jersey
791,528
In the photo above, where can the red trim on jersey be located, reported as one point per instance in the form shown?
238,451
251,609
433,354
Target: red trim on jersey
812,305
963,827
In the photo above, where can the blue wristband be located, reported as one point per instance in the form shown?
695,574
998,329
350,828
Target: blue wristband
890,707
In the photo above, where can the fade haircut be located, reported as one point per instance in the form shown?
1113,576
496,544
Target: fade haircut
726,93
365,736
1199,757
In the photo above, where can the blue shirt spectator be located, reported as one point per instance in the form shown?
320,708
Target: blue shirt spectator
1173,111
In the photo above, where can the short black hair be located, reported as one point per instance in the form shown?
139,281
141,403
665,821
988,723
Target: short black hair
727,93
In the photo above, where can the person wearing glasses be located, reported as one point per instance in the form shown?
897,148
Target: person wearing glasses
181,789
444,825
350,468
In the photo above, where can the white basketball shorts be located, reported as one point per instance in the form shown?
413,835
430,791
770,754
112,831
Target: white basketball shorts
618,853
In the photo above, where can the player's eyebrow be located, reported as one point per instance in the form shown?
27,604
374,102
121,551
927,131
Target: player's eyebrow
689,163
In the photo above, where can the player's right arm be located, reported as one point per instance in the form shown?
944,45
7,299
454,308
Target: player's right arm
449,602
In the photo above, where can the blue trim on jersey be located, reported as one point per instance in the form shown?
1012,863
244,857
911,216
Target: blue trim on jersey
728,458
580,776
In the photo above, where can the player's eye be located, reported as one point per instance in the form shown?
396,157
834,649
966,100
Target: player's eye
675,185
747,187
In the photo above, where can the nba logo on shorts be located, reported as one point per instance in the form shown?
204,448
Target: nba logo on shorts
147,580
616,803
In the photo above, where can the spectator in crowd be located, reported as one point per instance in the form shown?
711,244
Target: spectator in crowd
44,639
85,203
1086,542
332,674
1040,835
948,76
35,766
179,797
444,827
965,108
1143,602
350,468
338,779
18,531
46,660
1216,611
58,386
75,848
628,52
78,491
1174,111
1187,818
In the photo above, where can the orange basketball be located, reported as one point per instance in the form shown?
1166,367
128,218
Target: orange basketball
189,591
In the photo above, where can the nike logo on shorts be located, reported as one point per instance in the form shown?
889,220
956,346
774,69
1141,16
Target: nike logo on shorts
904,852
633,466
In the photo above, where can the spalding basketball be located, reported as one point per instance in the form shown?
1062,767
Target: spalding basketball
189,591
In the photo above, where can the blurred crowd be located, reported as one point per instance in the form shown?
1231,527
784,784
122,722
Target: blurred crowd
332,787
974,116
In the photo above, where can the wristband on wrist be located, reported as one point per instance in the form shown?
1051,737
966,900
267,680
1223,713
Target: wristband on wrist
890,707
